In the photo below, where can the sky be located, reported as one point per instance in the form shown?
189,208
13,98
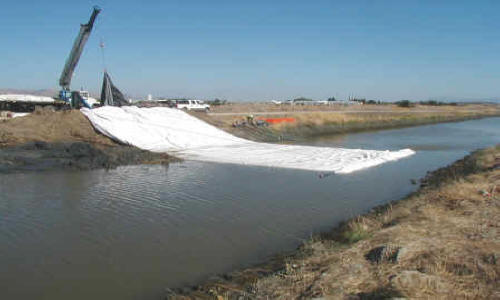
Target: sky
260,50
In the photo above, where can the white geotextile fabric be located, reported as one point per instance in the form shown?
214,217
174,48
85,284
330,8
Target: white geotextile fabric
161,129
17,115
26,98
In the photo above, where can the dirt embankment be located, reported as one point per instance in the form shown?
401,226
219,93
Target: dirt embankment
48,140
51,127
327,120
442,242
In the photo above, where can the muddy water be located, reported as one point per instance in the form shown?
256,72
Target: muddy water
130,232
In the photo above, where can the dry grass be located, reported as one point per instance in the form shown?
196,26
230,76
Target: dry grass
443,242
50,126
370,120
317,120
257,107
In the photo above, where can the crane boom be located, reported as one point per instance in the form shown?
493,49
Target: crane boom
76,51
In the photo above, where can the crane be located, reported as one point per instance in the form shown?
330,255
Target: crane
73,58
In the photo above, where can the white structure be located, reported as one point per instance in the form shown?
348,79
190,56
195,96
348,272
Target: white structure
26,98
162,129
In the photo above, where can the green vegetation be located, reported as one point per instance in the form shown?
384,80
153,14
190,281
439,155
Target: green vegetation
405,103
408,103
437,103
354,231
216,102
302,99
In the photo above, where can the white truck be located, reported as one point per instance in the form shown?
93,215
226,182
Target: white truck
86,96
192,105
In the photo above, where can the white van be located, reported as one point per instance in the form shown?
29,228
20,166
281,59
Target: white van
192,105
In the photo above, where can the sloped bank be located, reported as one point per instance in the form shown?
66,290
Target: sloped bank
49,140
43,156
443,241
313,124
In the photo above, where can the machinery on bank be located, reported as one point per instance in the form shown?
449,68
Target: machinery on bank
66,98
110,94
77,98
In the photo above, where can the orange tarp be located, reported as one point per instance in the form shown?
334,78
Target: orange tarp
279,120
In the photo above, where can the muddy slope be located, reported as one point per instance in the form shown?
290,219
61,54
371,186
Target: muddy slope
42,156
47,140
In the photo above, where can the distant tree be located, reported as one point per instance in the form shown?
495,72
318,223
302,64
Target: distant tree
371,102
404,103
430,102
303,99
217,102
332,99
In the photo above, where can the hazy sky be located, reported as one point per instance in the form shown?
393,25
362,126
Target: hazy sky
260,50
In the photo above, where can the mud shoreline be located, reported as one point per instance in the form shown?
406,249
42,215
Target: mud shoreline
51,140
43,156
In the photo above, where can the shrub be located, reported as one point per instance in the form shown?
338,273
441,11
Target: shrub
404,103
